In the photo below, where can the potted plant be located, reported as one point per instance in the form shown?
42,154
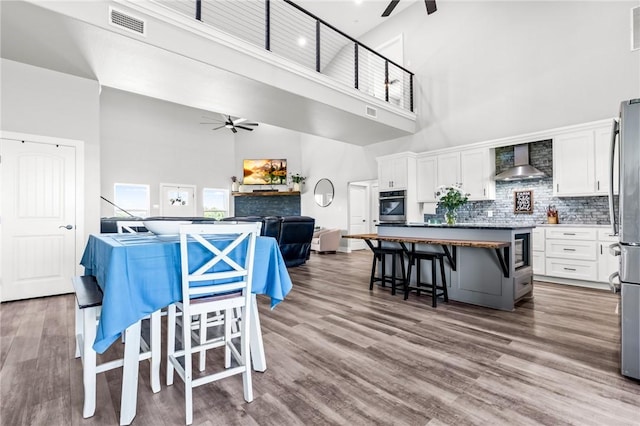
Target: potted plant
451,197
297,180
234,184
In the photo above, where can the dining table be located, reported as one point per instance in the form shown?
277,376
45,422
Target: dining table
139,274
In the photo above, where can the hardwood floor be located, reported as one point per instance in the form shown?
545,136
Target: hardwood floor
340,354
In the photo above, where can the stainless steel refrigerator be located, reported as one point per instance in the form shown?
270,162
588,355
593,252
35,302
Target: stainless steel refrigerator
626,224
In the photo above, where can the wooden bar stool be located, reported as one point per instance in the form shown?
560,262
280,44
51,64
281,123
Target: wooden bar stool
432,288
380,253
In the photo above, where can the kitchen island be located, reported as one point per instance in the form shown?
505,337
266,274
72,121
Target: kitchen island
485,276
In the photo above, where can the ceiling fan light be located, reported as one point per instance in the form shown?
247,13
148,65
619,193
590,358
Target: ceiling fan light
228,126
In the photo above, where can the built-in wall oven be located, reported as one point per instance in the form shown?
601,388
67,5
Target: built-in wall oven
393,206
522,250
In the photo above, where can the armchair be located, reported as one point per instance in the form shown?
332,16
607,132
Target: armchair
325,240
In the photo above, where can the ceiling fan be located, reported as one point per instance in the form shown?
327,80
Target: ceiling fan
231,123
430,4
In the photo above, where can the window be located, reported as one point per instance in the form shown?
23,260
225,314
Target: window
215,202
131,198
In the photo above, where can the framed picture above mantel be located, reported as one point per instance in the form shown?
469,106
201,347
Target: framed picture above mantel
264,172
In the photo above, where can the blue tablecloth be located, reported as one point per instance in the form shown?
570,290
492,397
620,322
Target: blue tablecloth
140,273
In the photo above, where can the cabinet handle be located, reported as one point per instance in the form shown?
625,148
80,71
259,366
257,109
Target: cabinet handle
484,191
568,249
557,187
568,233
598,185
569,269
600,248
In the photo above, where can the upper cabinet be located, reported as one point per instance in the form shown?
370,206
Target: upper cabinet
392,173
477,168
603,159
427,178
436,170
581,162
473,168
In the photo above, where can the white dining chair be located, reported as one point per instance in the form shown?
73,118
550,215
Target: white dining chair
217,271
88,309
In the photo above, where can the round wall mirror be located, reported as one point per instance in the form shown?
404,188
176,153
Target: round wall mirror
323,192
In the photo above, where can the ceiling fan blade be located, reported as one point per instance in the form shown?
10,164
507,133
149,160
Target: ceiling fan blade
217,128
245,128
249,124
233,129
392,5
239,120
431,6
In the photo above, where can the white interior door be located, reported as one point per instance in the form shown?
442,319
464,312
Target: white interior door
177,200
358,215
38,230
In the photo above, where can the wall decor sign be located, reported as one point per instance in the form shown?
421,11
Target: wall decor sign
523,202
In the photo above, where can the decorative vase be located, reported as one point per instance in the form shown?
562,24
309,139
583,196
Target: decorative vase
296,186
450,216
235,186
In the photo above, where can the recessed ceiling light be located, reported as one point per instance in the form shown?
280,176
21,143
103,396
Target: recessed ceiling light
357,1
302,41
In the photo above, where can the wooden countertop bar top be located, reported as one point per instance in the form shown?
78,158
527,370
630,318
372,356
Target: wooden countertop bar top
443,242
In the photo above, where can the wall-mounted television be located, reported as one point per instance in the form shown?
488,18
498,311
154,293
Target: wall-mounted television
264,172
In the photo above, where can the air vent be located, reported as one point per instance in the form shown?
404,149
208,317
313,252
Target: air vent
371,112
635,28
127,22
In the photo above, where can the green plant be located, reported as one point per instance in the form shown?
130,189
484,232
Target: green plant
297,178
451,197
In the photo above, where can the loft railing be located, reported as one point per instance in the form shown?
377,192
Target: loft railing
288,30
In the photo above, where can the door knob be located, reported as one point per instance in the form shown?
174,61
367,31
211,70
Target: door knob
66,226
364,220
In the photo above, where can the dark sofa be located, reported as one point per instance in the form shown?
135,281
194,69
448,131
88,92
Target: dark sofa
293,233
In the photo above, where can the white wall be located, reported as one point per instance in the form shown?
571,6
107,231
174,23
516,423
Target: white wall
43,102
339,162
486,70
269,142
148,141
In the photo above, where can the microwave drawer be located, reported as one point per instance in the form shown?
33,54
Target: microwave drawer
575,269
582,250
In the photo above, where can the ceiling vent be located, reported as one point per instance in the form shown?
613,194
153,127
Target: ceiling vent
371,112
635,28
126,21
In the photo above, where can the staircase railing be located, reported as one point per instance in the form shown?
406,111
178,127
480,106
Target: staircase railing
288,30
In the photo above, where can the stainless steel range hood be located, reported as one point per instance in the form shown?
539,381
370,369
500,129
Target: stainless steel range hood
521,169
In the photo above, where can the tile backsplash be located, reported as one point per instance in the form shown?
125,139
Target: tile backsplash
578,210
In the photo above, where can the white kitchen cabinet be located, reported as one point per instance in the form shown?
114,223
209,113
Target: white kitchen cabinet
434,171
392,173
574,164
477,167
427,178
449,168
581,163
538,256
570,252
607,263
602,161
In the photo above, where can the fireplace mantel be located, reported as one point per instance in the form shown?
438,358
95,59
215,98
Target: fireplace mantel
265,193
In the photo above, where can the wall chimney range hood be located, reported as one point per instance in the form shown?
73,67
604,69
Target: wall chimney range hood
521,169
